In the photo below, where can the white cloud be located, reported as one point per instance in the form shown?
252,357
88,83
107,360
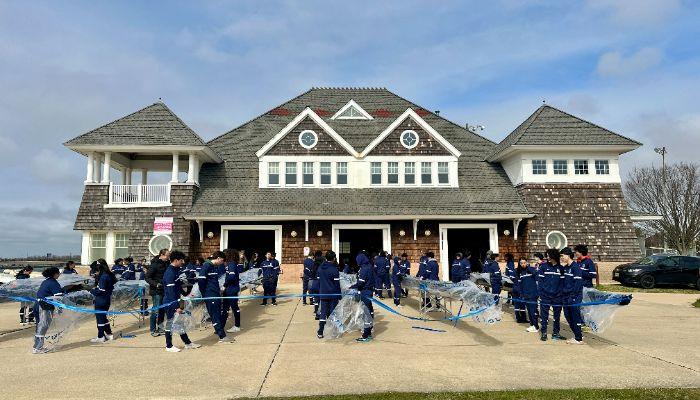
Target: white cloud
48,166
645,13
615,64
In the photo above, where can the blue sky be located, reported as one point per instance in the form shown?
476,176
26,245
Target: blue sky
65,68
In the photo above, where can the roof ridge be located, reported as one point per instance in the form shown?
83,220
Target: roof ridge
589,122
180,120
348,88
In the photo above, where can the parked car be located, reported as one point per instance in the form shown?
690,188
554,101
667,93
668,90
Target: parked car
660,269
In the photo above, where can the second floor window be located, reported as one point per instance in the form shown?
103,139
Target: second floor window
291,173
393,173
342,173
308,173
375,173
561,167
602,167
325,173
273,173
426,173
539,167
409,176
581,167
443,173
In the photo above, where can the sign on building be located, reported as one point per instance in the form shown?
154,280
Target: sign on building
163,226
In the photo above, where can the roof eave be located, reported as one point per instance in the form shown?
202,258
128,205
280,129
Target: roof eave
208,153
504,216
619,148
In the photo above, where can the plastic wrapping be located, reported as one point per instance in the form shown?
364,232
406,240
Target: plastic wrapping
350,314
29,287
599,317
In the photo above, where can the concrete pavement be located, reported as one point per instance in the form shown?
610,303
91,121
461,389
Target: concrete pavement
653,343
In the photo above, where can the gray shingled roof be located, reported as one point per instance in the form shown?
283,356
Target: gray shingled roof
231,188
153,125
550,126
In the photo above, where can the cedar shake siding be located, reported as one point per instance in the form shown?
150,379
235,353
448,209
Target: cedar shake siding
289,145
594,214
427,145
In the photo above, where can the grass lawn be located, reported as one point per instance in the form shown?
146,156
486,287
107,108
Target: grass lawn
568,394
663,289
697,303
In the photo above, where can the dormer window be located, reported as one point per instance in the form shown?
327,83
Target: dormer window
351,110
409,139
308,139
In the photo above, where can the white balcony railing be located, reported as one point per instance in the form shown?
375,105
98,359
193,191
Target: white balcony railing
139,194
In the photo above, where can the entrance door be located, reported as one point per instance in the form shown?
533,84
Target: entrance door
253,239
353,241
477,239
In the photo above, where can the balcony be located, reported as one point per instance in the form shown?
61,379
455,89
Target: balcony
125,196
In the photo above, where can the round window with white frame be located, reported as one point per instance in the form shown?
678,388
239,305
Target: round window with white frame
556,240
308,139
159,242
409,139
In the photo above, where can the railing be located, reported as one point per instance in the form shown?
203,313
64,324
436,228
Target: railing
139,194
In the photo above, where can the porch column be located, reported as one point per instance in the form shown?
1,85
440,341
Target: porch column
96,162
106,167
144,177
192,169
128,176
176,167
90,166
123,176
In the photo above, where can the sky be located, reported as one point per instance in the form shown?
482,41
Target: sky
68,67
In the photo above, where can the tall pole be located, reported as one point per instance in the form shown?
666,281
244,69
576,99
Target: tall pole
662,151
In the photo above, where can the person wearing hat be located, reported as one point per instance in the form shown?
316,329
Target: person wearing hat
208,281
328,289
173,290
43,310
550,281
365,285
572,293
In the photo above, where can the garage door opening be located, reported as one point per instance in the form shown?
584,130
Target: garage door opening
476,239
253,239
352,241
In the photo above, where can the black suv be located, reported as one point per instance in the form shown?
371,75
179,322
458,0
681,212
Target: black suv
660,269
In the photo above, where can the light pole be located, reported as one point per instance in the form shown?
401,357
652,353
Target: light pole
662,151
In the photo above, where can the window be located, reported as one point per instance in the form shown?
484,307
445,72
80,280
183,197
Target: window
325,173
273,173
393,172
409,139
670,262
561,167
290,173
426,173
539,167
602,167
581,167
375,173
351,113
121,245
160,242
98,246
308,139
308,173
409,176
443,172
342,172
556,240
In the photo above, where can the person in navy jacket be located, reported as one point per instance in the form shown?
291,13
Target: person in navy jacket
405,266
432,272
270,273
69,268
381,269
527,279
494,270
572,293
510,272
173,288
118,268
588,269
365,285
466,265
517,291
129,273
103,300
43,310
232,287
549,285
306,276
208,281
313,281
397,273
457,269
328,289
422,262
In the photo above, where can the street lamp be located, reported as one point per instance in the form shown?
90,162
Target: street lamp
662,151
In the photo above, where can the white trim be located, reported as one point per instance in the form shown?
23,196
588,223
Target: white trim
444,250
315,139
352,103
318,120
223,239
85,249
138,205
646,218
619,149
287,217
147,149
412,114
385,228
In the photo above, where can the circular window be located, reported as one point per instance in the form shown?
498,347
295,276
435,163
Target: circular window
556,240
159,242
308,139
409,139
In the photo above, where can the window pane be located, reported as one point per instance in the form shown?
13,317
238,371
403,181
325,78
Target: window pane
539,167
342,173
581,167
602,167
376,173
561,167
409,171
121,240
98,242
426,173
273,173
443,172
291,173
393,172
325,173
308,172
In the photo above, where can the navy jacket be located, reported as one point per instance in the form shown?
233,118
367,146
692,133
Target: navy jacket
588,272
103,291
270,268
67,271
232,283
467,266
118,269
308,267
405,267
129,273
549,282
432,270
172,285
365,278
457,271
494,270
208,280
421,267
572,287
513,274
396,269
328,279
528,283
382,265
48,288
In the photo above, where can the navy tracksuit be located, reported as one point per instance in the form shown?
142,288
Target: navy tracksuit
67,271
550,280
232,287
421,267
432,270
494,271
172,289
457,273
308,267
329,289
270,273
516,293
365,285
510,272
588,272
572,293
208,281
103,300
381,277
48,288
527,280
396,276
118,269
405,266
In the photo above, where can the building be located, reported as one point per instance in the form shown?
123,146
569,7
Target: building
350,169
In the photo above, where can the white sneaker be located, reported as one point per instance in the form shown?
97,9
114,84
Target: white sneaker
98,340
42,350
226,341
233,329
172,349
193,346
532,329
574,341
109,337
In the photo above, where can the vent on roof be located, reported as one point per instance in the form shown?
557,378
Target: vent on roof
351,110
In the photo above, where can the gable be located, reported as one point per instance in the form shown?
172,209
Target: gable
427,145
352,110
289,144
